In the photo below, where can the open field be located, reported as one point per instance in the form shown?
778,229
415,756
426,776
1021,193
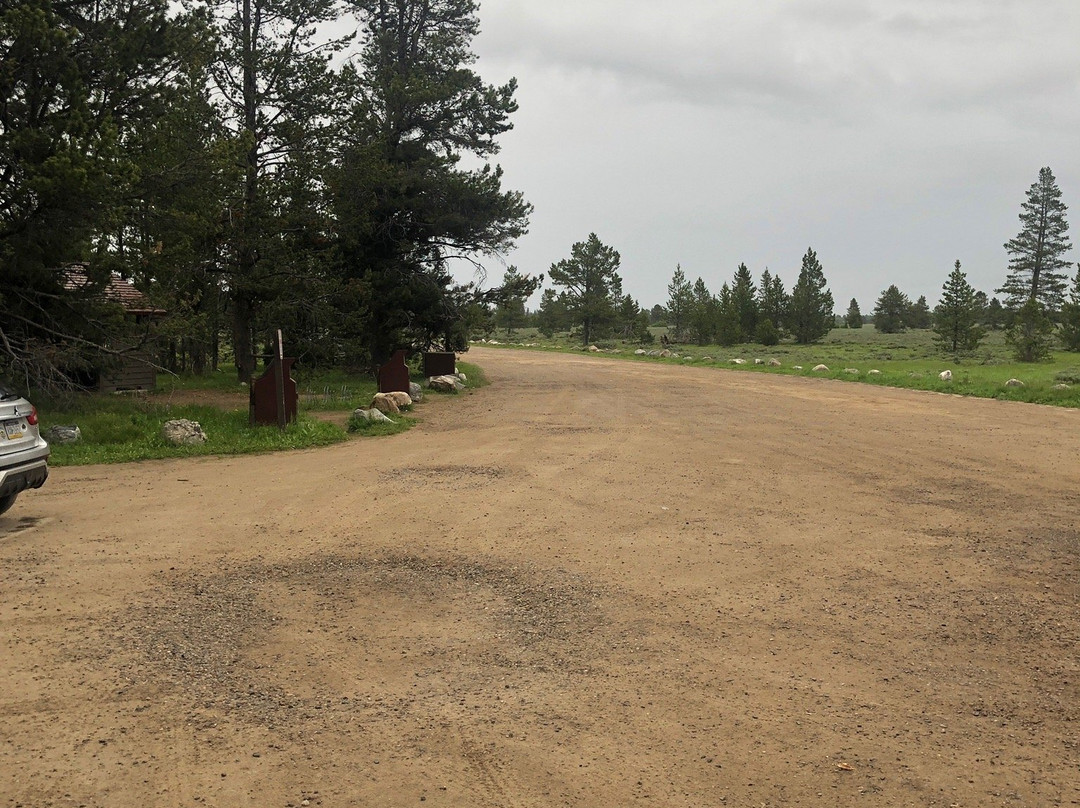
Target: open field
909,359
593,583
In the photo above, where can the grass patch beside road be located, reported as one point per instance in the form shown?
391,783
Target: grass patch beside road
122,430
910,359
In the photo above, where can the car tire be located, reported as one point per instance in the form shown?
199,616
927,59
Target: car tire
6,503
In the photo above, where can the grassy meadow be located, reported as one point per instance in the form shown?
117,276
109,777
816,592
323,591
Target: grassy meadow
909,359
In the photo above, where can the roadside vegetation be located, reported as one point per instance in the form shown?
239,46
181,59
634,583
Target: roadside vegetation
911,359
118,428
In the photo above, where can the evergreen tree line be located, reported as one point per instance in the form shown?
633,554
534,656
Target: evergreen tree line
247,173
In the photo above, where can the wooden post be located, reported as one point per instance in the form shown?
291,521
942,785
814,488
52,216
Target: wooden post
279,380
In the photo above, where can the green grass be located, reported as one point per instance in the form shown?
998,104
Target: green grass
121,430
910,359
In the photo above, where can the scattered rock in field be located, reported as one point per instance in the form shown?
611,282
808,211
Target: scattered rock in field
759,361
874,372
821,368
665,353
445,384
593,349
416,392
796,367
738,361
706,359
945,375
1014,383
852,371
463,377
182,432
640,352
372,415
59,434
1061,386
774,363
494,342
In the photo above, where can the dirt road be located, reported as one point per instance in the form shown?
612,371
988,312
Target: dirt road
593,583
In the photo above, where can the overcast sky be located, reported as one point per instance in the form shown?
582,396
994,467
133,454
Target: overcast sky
892,136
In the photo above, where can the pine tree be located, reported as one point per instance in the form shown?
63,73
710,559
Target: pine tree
890,313
853,319
588,276
744,299
1030,333
918,314
1037,252
702,314
1070,316
510,311
810,314
956,318
773,300
680,302
728,331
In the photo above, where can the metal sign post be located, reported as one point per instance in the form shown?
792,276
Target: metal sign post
279,381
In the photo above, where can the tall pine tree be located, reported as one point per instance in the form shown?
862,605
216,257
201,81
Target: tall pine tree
811,310
588,277
1037,252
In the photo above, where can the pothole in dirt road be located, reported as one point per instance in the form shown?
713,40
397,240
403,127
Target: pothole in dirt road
337,638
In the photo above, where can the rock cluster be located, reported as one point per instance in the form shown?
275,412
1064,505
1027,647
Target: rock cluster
59,434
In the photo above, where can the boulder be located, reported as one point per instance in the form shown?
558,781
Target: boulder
821,369
738,361
945,375
182,432
463,377
873,372
59,434
796,367
372,415
416,392
403,400
445,384
852,371
640,352
1014,383
593,349
759,361
1061,386
665,353
774,363
385,402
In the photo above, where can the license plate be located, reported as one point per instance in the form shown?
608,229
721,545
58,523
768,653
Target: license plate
14,429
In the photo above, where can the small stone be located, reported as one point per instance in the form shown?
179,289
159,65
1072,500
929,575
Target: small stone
665,353
774,363
1061,386
874,372
852,371
945,375
1014,383
738,361
821,369
372,415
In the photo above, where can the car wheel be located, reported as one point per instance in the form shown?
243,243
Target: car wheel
6,503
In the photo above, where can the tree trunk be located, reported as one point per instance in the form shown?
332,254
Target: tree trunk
242,347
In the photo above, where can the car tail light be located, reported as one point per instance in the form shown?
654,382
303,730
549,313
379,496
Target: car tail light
32,417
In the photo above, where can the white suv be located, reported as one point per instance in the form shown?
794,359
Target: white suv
24,453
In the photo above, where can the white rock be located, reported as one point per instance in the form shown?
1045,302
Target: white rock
416,392
640,352
463,377
1014,383
593,349
665,353
372,415
738,361
873,372
821,368
945,375
445,384
182,432
774,363
1061,386
759,361
796,367
852,371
